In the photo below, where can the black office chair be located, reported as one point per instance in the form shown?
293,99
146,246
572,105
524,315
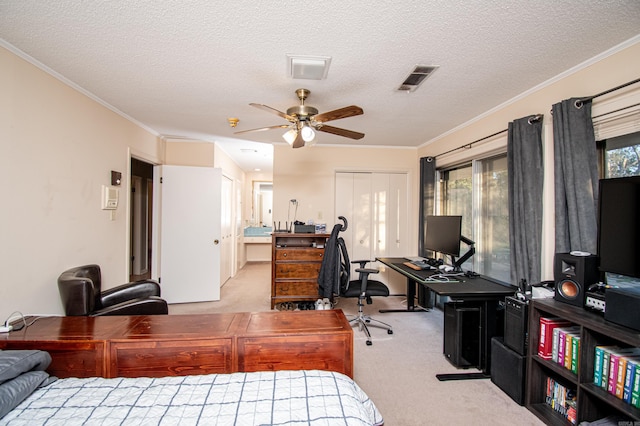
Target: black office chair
363,288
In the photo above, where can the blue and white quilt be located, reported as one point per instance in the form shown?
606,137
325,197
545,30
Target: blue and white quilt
307,397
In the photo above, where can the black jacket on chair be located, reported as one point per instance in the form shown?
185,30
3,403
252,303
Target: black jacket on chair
329,275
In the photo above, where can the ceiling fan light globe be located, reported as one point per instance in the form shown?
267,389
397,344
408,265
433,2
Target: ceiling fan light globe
307,134
290,136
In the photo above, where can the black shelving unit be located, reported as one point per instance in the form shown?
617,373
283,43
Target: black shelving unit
593,403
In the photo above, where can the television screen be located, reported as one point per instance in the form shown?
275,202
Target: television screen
442,234
619,226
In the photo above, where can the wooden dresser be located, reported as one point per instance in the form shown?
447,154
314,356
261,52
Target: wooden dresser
178,345
295,264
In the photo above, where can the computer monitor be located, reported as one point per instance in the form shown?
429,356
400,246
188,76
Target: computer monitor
442,234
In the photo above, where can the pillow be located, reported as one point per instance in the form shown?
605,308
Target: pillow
15,362
14,391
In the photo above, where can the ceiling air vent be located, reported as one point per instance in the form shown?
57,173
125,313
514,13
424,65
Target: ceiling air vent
416,78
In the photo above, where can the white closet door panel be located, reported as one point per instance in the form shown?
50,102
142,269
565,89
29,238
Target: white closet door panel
362,216
398,214
380,221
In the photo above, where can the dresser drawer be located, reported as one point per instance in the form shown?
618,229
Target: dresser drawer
294,288
297,270
161,358
304,254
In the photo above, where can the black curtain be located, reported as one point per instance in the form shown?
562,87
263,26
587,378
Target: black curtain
526,175
427,195
576,177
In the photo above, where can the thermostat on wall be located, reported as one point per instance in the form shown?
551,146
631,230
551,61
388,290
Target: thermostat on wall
109,198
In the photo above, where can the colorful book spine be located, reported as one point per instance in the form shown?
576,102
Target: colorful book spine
605,369
614,358
575,354
561,346
545,341
561,399
568,351
622,375
615,370
622,372
597,365
632,366
635,391
554,347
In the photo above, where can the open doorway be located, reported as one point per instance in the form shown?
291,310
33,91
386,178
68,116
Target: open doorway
141,220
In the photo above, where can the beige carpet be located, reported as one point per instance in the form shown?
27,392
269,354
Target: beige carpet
397,371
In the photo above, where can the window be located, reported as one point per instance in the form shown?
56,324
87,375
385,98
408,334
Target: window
621,156
479,193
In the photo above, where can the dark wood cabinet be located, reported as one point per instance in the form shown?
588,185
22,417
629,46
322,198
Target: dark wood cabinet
295,265
178,345
592,402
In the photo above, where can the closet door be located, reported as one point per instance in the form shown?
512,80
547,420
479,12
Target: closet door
361,217
354,202
390,215
376,206
398,214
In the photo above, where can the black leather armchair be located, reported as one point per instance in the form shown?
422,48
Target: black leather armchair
81,294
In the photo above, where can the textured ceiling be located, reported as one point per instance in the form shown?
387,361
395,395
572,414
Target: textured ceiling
181,68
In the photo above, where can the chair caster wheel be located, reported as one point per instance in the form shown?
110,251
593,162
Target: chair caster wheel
389,331
369,343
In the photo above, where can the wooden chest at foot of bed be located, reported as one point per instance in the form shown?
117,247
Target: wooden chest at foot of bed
178,345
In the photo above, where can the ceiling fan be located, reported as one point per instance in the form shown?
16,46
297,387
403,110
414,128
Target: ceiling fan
304,119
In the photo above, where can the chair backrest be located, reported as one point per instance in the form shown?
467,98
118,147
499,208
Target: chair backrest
345,266
79,289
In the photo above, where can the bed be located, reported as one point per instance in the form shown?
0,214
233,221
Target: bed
296,397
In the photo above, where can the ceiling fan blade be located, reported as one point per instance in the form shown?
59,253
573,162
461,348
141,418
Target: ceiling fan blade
279,126
299,142
336,114
273,111
340,132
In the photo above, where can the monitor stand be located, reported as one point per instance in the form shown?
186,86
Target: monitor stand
457,264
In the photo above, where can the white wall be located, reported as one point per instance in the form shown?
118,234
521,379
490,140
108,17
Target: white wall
58,148
308,175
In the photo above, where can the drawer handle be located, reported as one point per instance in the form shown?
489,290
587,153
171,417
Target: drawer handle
284,254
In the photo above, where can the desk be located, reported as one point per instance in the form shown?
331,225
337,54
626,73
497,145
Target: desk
486,292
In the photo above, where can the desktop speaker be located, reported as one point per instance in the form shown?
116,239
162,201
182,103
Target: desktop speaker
573,275
508,370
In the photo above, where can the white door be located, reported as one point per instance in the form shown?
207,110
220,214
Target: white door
226,231
190,234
